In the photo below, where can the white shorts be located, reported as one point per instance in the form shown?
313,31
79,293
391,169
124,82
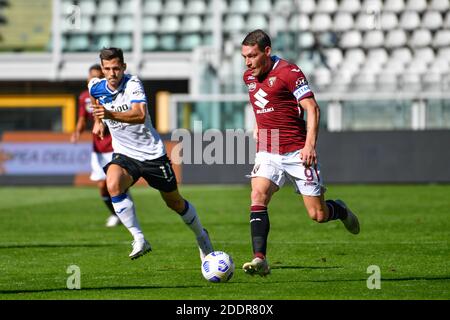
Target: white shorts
276,167
98,161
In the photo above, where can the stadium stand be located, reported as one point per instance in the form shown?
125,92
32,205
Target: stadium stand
389,36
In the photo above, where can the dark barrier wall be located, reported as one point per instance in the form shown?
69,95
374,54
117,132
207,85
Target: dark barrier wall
348,157
359,157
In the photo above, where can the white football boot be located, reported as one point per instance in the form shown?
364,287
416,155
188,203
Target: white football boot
140,247
351,223
257,266
204,244
112,221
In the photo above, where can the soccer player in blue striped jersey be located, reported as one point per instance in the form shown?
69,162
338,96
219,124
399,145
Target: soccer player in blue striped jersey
138,151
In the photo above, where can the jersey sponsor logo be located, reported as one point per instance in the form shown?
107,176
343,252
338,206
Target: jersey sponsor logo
121,108
138,92
260,100
251,78
251,86
272,81
301,91
265,110
296,70
301,82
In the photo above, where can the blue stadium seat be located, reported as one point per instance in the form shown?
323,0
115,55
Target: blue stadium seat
169,24
298,22
100,41
305,6
190,41
108,7
400,56
124,24
349,6
373,39
396,6
196,7
395,38
150,42
432,20
441,39
321,22
343,21
257,21
440,5
305,40
150,24
239,7
127,7
326,6
283,6
173,7
153,7
261,6
87,7
409,20
334,57
234,23
104,24
388,21
78,42
420,38
372,6
191,23
350,39
168,42
123,41
416,5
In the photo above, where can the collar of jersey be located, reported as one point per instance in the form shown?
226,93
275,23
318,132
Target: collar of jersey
275,59
124,80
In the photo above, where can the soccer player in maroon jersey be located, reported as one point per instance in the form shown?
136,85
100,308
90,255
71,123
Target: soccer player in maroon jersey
102,148
286,144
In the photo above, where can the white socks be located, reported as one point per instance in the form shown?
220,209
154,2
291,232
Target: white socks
124,207
191,219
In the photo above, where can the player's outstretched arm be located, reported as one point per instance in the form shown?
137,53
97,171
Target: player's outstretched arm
308,153
81,125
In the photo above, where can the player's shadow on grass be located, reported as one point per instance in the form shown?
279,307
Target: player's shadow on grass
54,245
303,267
97,288
384,279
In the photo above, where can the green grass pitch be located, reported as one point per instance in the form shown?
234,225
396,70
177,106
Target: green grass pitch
405,231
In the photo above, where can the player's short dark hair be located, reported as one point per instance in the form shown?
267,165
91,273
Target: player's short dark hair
95,67
258,37
111,53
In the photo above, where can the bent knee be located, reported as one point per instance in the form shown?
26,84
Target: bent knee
259,197
113,187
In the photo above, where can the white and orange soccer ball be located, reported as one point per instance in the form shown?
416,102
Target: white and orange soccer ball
217,266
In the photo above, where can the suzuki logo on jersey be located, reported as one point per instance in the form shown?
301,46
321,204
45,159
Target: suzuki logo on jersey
261,101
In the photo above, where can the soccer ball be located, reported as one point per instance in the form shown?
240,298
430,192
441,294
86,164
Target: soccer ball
217,266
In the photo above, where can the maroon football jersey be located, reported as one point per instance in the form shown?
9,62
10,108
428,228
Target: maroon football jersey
85,110
275,99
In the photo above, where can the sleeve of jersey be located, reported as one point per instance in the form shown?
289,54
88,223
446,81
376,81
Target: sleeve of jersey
136,89
298,84
94,87
81,106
